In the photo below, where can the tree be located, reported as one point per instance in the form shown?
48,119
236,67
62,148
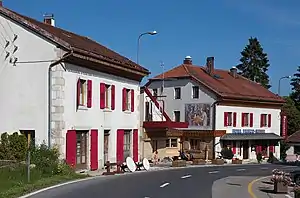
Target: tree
295,83
254,63
293,115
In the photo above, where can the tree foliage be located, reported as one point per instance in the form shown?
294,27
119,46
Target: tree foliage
13,147
295,83
293,115
254,63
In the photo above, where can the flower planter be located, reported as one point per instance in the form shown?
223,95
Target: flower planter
237,161
178,163
217,161
280,187
199,162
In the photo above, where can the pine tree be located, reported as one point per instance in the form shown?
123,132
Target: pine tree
254,63
295,83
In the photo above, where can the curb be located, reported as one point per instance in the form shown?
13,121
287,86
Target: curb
139,172
250,186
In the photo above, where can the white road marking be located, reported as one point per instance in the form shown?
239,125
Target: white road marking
213,172
264,168
242,169
288,196
164,185
186,176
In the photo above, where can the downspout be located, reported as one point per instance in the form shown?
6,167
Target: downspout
214,124
50,90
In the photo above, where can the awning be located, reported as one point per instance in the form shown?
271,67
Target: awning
253,136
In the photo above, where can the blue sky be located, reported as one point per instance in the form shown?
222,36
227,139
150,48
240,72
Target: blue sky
196,28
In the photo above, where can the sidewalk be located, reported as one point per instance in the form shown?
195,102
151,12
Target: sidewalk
237,187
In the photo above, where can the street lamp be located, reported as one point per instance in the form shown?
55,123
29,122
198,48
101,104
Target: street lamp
138,47
283,77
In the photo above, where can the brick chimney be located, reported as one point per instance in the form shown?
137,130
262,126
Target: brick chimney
49,19
233,72
188,60
210,64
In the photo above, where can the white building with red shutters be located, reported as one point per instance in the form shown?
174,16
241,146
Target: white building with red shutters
68,91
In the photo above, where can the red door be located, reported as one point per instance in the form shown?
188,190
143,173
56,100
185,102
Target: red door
120,145
94,149
135,145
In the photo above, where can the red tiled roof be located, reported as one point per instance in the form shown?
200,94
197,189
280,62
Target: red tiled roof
72,41
295,137
223,83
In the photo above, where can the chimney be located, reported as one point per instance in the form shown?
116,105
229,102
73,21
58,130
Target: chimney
1,3
233,72
188,60
210,64
49,19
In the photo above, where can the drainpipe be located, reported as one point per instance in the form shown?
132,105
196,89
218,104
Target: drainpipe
214,124
49,91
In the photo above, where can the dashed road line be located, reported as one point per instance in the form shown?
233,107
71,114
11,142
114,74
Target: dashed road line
213,172
186,176
164,185
241,169
264,168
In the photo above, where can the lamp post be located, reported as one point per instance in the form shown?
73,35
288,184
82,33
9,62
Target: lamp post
138,45
283,77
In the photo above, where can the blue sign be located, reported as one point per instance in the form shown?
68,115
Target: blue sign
248,131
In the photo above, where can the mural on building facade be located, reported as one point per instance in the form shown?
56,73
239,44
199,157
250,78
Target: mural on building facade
197,114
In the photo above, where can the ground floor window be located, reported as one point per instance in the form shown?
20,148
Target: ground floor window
81,149
106,145
195,144
127,144
171,143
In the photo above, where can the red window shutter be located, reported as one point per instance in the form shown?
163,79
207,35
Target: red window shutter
132,100
251,119
258,149
120,145
243,119
113,100
225,118
102,96
271,149
269,120
261,120
124,99
71,148
234,119
234,147
78,92
89,94
135,145
94,149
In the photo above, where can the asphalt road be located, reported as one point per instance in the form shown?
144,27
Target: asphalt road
173,183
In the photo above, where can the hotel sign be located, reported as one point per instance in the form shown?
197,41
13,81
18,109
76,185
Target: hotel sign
248,131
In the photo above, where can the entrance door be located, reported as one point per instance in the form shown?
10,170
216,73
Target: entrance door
81,149
245,149
106,143
127,144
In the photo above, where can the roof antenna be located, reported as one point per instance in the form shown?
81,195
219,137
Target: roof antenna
163,75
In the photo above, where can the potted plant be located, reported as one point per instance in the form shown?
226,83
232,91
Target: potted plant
296,191
281,181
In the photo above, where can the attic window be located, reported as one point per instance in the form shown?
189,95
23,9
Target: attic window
217,76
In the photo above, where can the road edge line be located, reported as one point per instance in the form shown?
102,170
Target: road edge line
250,186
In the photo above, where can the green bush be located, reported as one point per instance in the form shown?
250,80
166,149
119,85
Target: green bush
259,157
227,153
271,158
13,147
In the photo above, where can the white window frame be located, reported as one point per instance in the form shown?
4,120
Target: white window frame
169,143
194,88
177,88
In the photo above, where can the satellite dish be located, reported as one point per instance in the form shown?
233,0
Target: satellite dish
186,145
146,164
130,164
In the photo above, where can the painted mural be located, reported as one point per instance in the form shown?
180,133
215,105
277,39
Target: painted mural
197,114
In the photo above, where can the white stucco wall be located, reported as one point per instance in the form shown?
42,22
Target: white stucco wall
275,122
23,87
94,117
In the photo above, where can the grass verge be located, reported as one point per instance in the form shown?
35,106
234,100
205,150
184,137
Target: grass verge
13,181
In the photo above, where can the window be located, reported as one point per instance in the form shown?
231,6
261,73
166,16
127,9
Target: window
127,144
229,118
177,93
107,96
155,92
171,143
195,144
128,99
263,121
246,119
177,116
81,149
83,92
195,91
